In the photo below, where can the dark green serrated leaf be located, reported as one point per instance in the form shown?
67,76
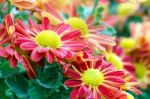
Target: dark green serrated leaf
18,85
61,93
37,92
50,76
6,70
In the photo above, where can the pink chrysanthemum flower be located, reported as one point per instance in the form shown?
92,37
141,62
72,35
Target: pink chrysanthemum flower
46,41
93,79
141,60
140,34
8,48
88,30
120,60
137,47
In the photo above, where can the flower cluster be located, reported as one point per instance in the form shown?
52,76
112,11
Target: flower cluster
91,76
94,64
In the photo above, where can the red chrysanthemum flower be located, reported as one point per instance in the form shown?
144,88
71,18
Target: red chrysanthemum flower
11,51
120,60
44,40
93,79
89,31
141,60
137,47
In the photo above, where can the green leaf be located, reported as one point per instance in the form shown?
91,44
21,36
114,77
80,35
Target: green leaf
2,89
6,70
61,93
50,76
18,85
37,92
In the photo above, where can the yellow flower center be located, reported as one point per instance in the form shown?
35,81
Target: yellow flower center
48,38
128,43
140,70
79,24
115,60
92,77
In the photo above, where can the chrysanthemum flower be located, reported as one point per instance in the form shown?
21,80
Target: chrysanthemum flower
87,28
138,49
120,60
91,79
6,38
46,41
11,51
141,60
139,37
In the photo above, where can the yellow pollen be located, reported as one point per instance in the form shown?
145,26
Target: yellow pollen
140,70
77,23
115,60
92,77
48,38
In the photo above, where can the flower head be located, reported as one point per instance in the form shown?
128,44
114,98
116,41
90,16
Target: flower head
138,49
142,64
45,40
10,50
120,60
93,78
90,32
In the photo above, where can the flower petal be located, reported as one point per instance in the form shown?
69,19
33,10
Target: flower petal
35,56
74,34
3,52
72,74
45,24
28,46
49,57
74,93
61,28
13,61
115,79
115,73
106,92
73,83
